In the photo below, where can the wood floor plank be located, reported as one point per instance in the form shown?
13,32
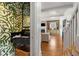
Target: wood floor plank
54,47
21,52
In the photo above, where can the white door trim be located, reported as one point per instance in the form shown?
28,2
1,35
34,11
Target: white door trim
35,29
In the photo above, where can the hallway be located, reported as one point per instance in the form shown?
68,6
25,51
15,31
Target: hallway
53,47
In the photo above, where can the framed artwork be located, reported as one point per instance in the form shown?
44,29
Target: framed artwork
53,25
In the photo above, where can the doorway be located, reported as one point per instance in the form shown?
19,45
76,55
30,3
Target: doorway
51,44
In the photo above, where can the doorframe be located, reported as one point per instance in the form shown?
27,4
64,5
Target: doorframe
35,28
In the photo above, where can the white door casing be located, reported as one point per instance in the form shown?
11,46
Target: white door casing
35,29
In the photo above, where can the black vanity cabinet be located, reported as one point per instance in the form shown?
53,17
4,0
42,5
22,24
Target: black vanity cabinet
21,41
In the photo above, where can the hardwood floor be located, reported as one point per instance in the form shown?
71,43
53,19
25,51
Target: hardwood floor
20,52
53,47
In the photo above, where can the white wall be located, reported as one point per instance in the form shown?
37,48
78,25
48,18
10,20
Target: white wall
68,13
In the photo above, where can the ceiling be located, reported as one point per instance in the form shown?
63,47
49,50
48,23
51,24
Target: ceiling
55,9
54,5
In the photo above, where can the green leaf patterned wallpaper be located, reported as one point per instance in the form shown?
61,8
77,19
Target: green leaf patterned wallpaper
10,21
6,26
16,9
26,15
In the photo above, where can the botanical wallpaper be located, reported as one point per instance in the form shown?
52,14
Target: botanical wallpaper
26,14
10,21
6,26
16,11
